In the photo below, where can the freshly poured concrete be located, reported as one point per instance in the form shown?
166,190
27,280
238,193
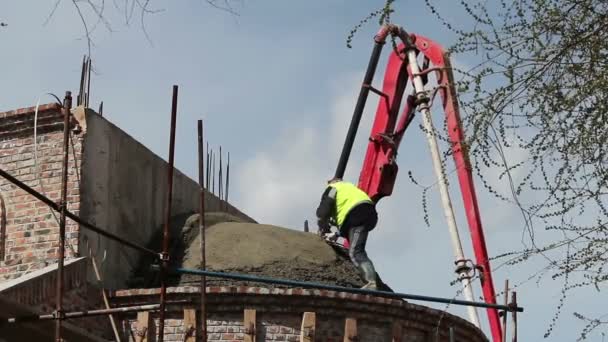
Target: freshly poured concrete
237,245
254,249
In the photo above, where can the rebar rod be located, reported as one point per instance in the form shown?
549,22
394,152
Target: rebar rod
514,317
212,172
220,181
227,177
201,227
86,101
294,283
67,105
165,255
72,216
504,316
81,89
207,169
79,314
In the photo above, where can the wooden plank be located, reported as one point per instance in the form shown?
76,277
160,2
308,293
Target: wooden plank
350,330
144,324
249,324
104,295
307,333
190,325
397,331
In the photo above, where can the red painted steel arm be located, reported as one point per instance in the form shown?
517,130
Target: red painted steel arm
379,170
440,59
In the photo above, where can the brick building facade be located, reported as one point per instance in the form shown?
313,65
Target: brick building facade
114,183
279,315
29,239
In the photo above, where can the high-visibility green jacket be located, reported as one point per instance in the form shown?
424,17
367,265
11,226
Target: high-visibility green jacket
339,199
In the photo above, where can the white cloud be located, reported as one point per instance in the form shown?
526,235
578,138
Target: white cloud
283,184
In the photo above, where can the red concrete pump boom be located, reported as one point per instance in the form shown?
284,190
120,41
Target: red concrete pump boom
379,169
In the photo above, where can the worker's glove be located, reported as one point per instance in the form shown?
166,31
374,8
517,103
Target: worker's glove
333,237
324,227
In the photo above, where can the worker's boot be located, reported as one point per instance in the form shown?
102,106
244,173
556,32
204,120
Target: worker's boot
369,274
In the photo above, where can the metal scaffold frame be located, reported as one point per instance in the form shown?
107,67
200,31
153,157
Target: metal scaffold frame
163,257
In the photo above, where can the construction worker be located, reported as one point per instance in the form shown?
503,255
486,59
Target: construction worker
351,210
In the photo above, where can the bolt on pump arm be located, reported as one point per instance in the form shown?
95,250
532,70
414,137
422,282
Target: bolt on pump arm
379,170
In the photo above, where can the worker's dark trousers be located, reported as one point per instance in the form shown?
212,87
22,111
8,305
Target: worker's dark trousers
357,236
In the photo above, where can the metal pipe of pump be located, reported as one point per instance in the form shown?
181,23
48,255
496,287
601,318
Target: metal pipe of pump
379,41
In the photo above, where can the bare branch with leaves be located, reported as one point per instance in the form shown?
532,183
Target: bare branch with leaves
539,88
93,13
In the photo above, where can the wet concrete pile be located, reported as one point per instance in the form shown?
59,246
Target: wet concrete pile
235,246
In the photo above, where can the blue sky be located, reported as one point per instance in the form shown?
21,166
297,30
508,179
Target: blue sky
276,87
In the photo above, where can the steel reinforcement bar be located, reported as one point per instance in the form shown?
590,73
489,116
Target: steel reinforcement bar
302,284
71,215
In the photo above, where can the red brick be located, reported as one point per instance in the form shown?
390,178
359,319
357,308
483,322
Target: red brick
26,205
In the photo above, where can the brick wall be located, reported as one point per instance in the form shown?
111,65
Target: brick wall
114,182
30,239
36,292
279,315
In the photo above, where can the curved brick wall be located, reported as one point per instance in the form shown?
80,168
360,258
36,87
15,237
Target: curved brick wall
279,315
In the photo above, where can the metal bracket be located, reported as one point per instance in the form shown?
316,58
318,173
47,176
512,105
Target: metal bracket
462,266
189,332
58,314
379,93
163,256
250,330
141,332
309,332
388,138
383,138
422,97
61,205
428,70
375,90
77,129
468,267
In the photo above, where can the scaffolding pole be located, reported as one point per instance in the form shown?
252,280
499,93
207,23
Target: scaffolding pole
165,252
512,307
303,284
72,216
79,314
67,105
201,226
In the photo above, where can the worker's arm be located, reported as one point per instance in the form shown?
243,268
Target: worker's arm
326,209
